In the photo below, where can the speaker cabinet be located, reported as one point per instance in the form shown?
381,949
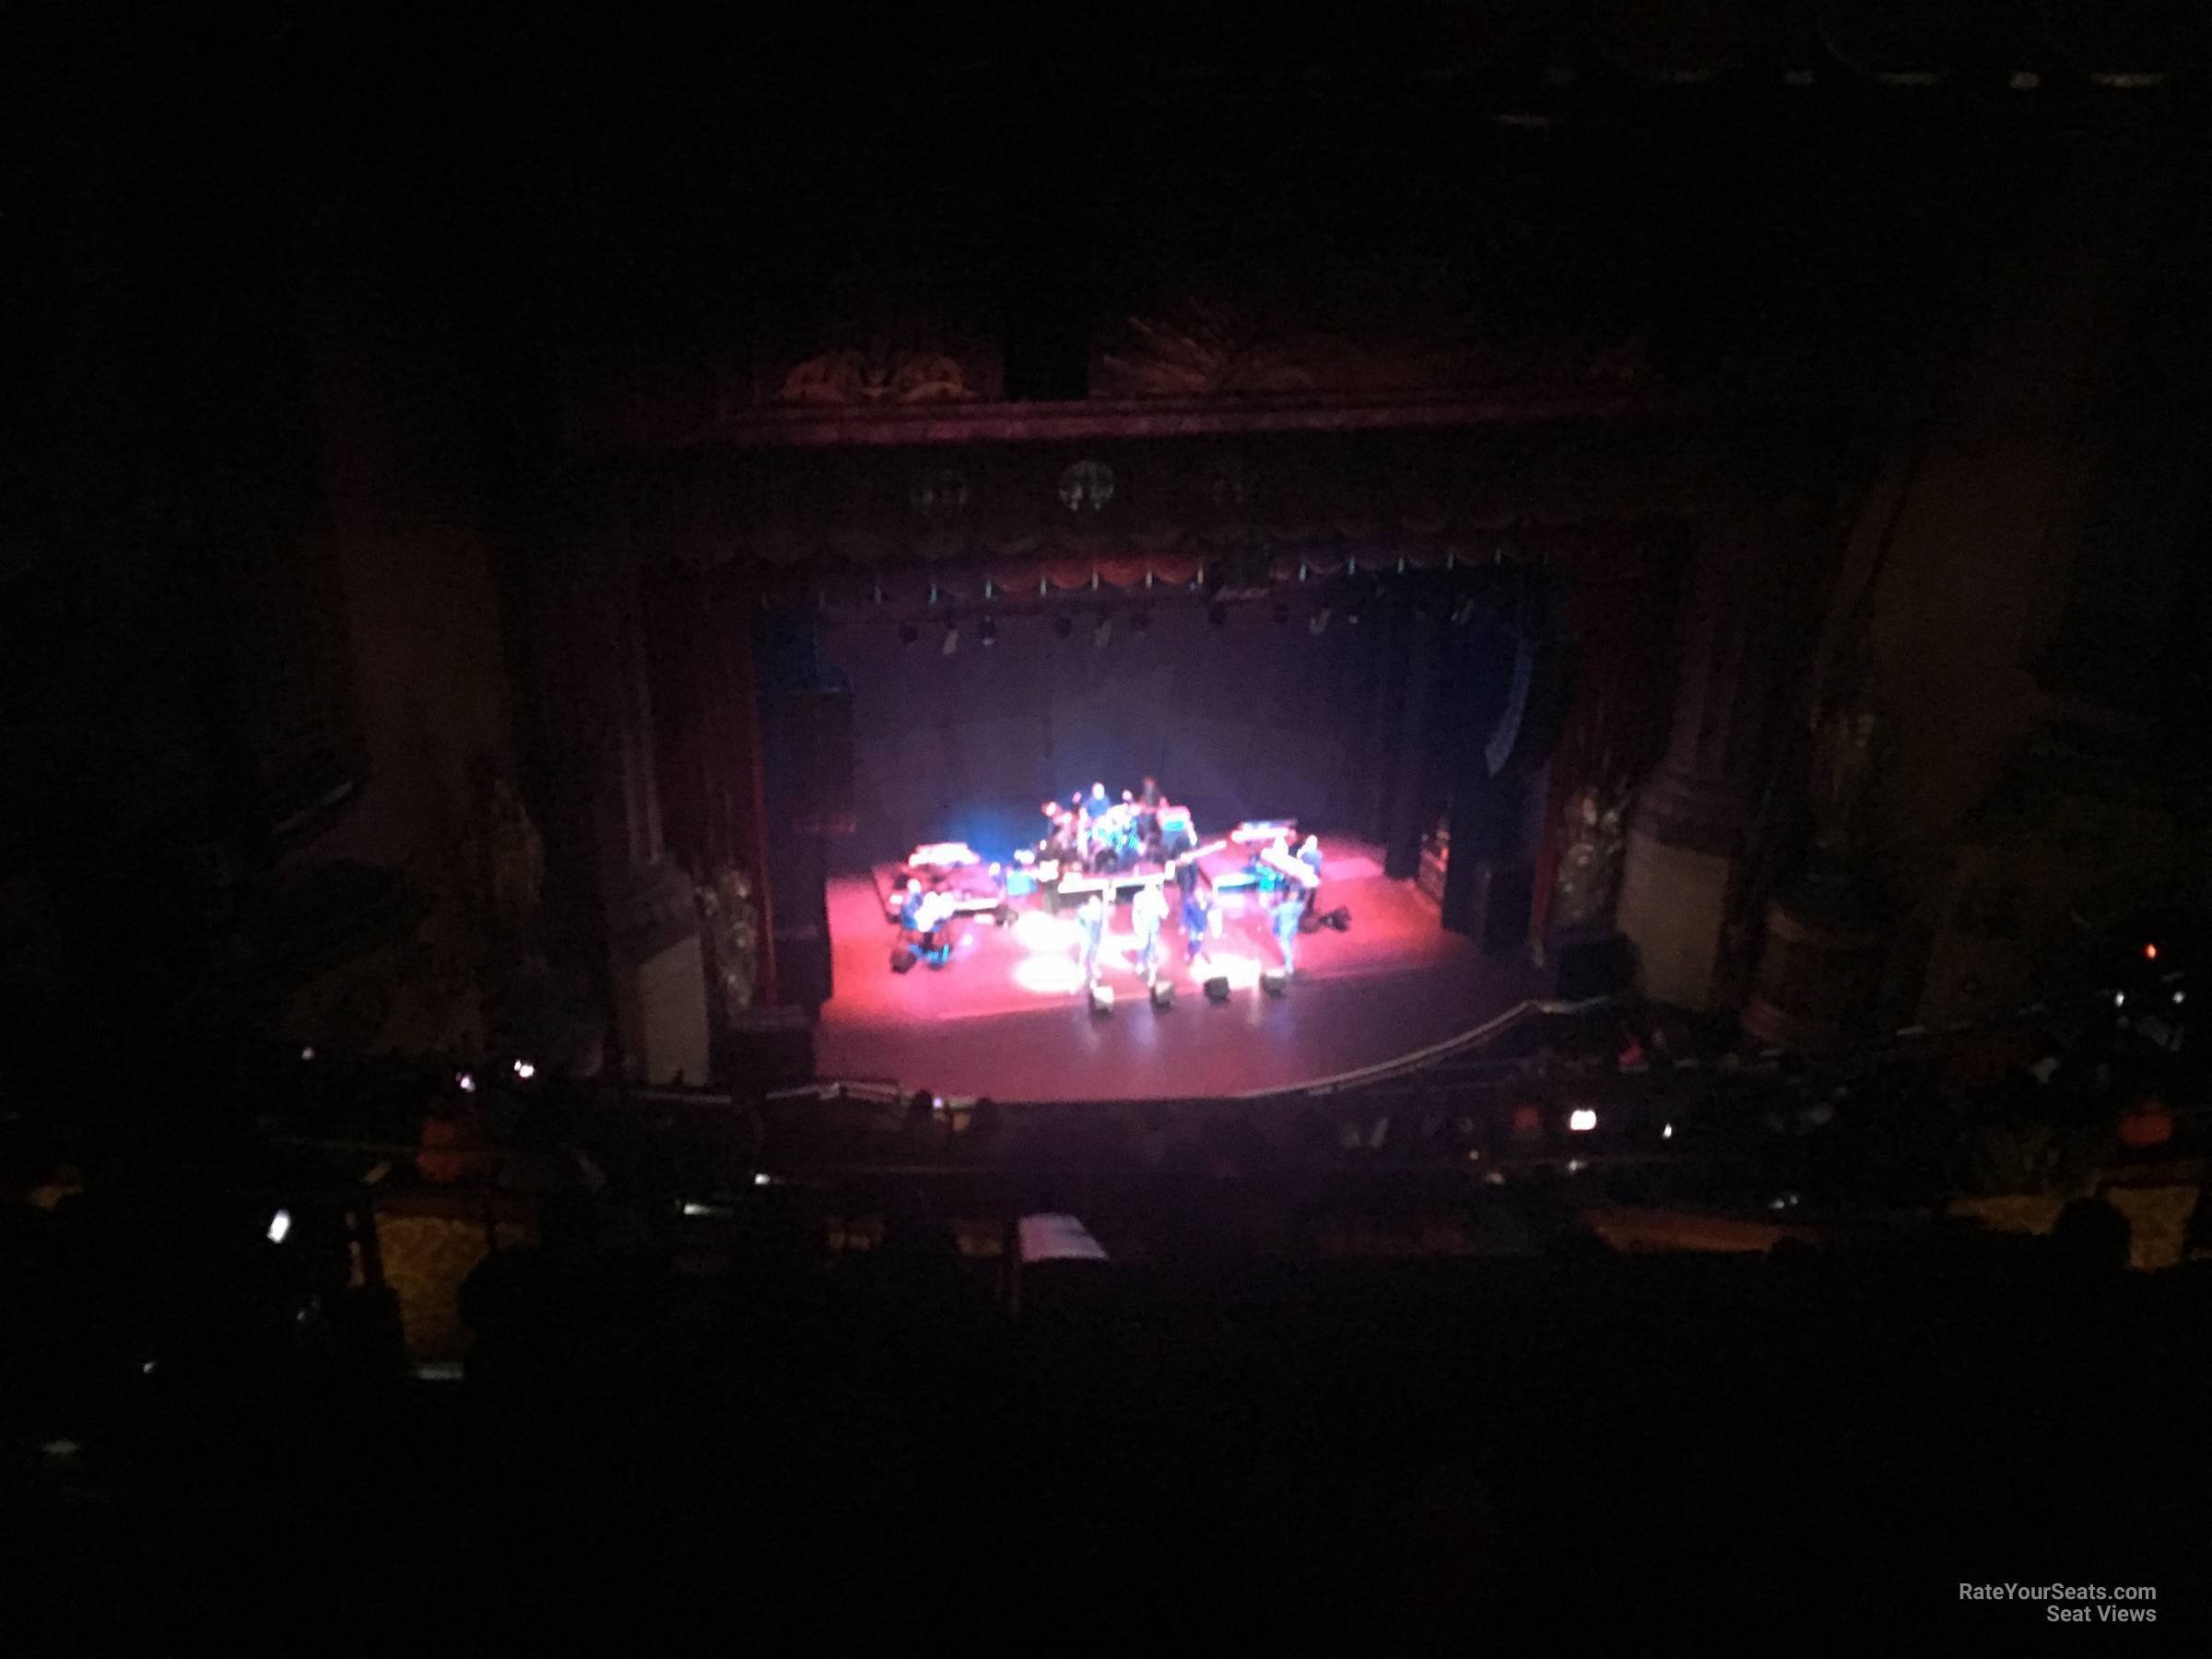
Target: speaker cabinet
1593,964
1489,901
803,966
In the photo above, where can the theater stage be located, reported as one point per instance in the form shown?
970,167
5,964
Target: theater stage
1007,1016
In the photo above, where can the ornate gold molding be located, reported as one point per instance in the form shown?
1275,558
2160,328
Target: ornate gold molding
880,374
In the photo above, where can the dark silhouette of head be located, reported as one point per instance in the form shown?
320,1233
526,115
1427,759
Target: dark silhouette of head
568,1221
2092,1237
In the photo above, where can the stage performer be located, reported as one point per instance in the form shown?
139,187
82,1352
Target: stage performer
1289,908
1268,877
936,916
1199,916
1091,920
1309,854
1128,837
1059,844
1079,825
1150,796
909,907
1111,841
1148,913
1176,831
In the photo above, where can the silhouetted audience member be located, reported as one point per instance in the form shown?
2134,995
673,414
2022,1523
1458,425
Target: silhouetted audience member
452,1149
1793,1262
2092,1238
2196,1240
540,1312
983,1123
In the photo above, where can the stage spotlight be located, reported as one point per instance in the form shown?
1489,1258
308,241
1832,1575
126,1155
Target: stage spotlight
1217,988
1318,624
1163,994
1064,627
952,638
1102,632
986,632
1581,1120
1102,999
909,634
1218,614
1274,981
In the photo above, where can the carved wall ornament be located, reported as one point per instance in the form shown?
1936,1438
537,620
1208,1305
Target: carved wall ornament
1590,855
726,906
1205,350
506,853
880,373
1380,328
1086,486
1847,754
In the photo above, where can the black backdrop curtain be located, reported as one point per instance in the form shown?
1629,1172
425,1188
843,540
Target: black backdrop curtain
1255,718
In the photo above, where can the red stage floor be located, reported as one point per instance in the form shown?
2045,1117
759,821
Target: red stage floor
1007,1018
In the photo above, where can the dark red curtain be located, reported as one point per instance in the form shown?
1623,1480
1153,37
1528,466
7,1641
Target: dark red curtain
706,730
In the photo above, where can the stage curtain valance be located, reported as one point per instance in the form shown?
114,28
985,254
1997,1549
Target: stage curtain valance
1164,508
1123,573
